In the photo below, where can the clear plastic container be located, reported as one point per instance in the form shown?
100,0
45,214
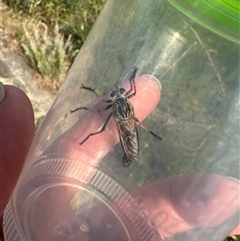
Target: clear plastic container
83,192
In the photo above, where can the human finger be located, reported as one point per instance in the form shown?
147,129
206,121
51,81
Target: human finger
181,203
148,93
17,132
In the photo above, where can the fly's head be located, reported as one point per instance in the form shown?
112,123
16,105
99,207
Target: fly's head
118,93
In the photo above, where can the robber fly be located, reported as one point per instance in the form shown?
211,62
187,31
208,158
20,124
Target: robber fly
123,114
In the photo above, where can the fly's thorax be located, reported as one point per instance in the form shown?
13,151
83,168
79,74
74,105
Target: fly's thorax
122,109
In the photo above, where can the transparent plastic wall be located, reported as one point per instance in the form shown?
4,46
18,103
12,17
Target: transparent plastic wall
69,191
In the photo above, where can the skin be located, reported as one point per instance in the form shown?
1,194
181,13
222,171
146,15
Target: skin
160,197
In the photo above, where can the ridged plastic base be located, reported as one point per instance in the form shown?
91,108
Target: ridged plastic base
93,194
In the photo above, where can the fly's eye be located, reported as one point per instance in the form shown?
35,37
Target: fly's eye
122,91
113,93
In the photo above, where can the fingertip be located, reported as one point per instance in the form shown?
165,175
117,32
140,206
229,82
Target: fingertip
154,79
147,97
18,111
18,115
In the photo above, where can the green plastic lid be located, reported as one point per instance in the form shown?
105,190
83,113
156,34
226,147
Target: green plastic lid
220,16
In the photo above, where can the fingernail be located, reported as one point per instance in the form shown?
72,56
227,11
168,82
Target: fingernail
235,179
154,78
2,91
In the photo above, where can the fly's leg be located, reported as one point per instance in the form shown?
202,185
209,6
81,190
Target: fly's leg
92,110
126,162
83,108
98,132
132,84
147,130
96,93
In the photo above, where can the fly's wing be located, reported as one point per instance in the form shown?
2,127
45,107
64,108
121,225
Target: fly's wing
128,136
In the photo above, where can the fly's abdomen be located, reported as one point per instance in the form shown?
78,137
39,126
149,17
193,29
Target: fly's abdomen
131,154
129,140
